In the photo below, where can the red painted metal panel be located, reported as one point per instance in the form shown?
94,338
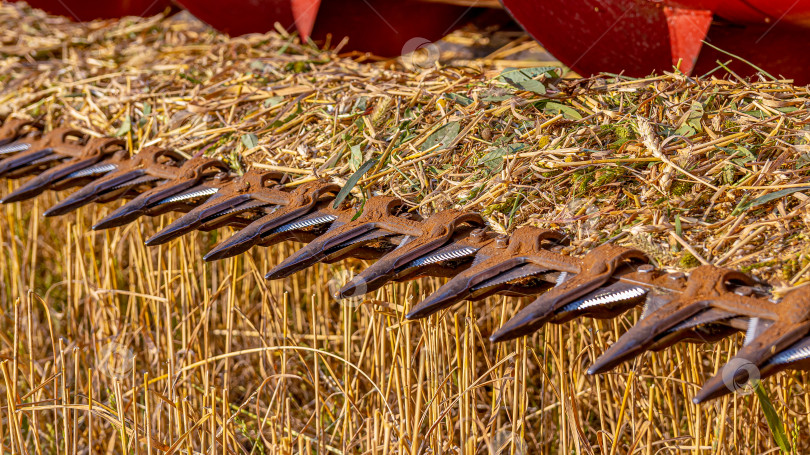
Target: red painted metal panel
638,37
592,36
382,27
779,50
795,12
85,10
243,16
687,28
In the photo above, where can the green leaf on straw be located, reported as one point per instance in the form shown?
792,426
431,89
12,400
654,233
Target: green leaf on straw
774,422
353,181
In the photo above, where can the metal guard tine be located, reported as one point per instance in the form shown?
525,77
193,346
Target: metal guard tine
705,288
96,151
495,257
144,163
435,231
598,266
14,129
377,211
791,326
191,173
600,282
302,200
235,191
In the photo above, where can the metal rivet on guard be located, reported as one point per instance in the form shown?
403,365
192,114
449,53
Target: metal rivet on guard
502,241
676,276
646,268
477,234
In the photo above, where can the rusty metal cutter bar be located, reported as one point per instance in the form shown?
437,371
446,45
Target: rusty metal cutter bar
707,305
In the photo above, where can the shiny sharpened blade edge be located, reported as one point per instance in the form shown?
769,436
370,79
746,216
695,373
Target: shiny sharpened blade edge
606,298
243,207
92,171
795,353
562,278
45,159
304,223
189,195
517,273
442,256
14,147
654,303
755,328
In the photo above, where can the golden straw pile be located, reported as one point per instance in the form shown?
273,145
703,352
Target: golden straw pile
109,346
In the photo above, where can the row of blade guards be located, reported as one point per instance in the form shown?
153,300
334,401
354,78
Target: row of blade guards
706,305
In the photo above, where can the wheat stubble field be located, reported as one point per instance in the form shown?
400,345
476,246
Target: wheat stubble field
109,346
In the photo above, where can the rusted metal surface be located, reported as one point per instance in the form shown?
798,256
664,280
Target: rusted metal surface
197,179
526,264
18,131
130,177
596,270
438,239
236,203
774,342
383,223
48,150
706,303
77,168
709,304
300,215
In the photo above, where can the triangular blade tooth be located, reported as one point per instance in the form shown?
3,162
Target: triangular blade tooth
14,147
92,192
48,179
199,216
405,240
194,193
243,207
614,293
783,336
455,290
304,223
755,328
654,302
16,162
446,253
269,225
796,353
99,169
320,250
644,335
364,238
46,159
562,278
448,294
144,203
522,271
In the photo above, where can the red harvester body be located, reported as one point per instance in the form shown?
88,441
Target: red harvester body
382,27
638,37
634,37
